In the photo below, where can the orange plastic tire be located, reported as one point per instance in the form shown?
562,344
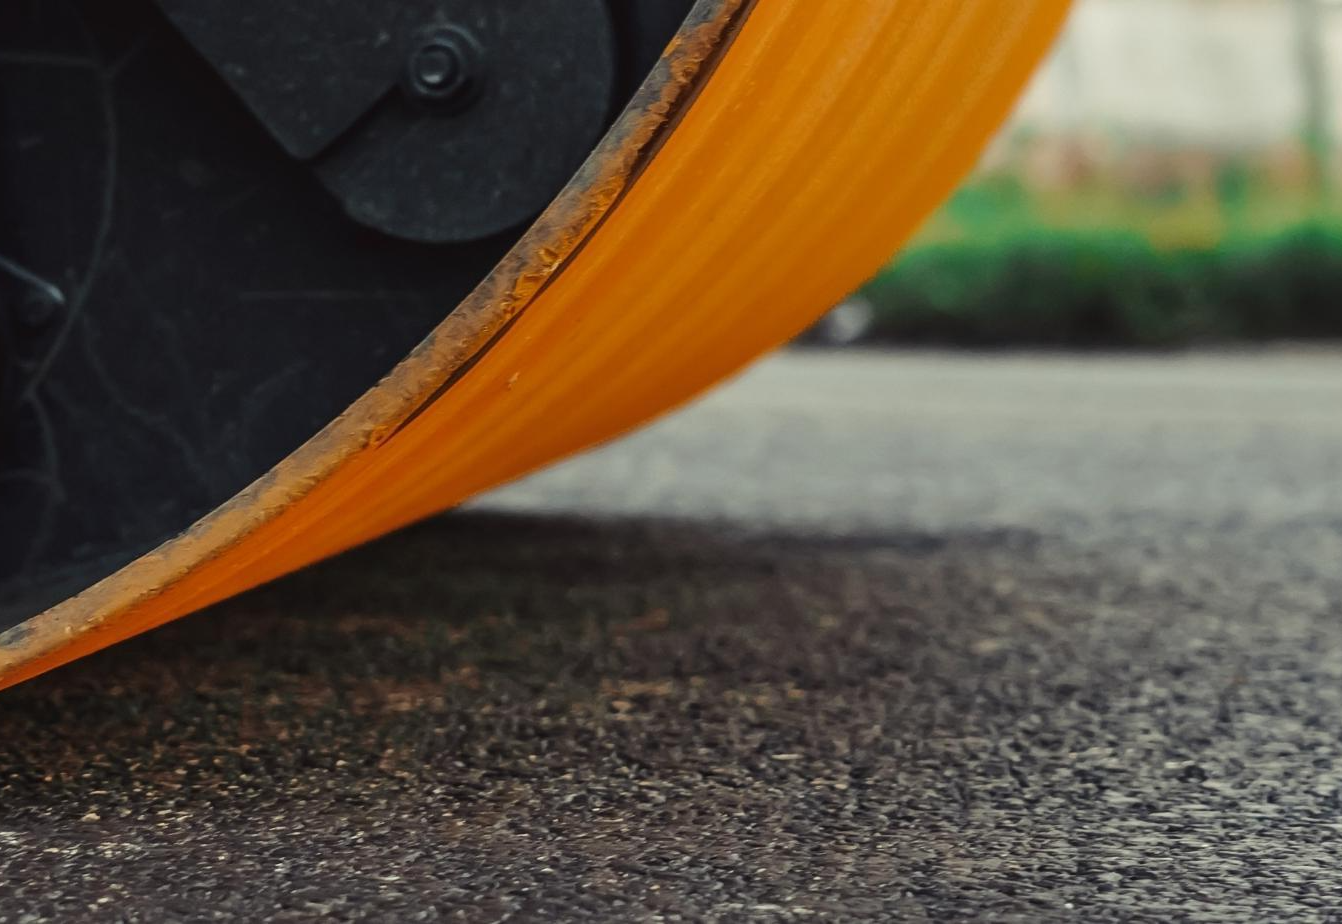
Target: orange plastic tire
781,151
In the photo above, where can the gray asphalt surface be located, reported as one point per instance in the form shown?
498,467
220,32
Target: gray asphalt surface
912,637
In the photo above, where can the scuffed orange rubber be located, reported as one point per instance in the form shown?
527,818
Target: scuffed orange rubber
778,156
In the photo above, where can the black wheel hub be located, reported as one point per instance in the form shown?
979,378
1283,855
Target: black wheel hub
223,220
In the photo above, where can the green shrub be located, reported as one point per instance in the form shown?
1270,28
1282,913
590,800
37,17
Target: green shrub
1287,286
1073,287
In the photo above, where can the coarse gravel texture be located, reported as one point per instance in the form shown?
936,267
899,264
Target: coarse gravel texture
909,637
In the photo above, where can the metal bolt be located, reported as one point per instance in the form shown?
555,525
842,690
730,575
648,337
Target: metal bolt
436,66
444,70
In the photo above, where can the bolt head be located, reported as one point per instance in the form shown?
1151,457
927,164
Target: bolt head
445,69
436,66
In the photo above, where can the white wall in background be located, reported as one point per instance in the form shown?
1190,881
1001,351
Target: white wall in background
1217,72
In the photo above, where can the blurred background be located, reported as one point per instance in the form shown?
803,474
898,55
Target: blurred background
1170,178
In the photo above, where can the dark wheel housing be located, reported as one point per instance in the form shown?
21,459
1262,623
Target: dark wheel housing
221,221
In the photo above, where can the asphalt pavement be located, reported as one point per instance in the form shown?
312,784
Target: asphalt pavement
901,636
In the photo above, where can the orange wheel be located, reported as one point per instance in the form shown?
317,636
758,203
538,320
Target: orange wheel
776,157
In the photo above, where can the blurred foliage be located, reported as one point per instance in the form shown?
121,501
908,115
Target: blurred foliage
1102,266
